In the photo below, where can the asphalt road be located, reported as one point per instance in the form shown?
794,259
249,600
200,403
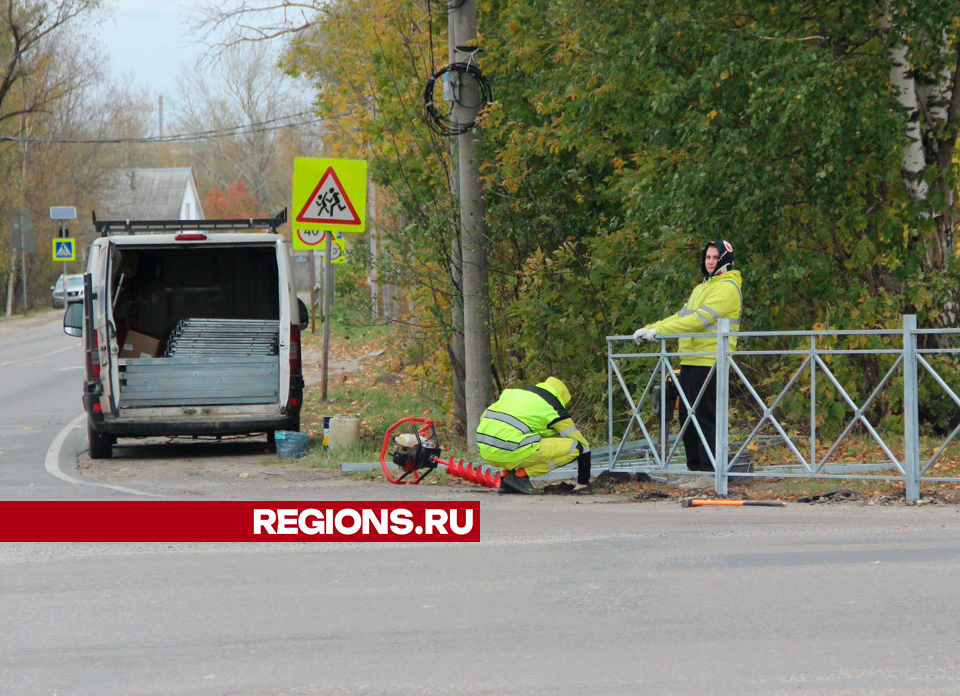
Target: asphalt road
562,596
40,386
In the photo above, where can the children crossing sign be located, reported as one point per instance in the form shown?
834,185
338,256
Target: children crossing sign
328,194
64,249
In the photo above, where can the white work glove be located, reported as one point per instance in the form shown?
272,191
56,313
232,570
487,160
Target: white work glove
644,334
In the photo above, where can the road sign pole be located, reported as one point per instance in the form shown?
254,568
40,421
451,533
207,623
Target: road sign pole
327,302
62,234
313,291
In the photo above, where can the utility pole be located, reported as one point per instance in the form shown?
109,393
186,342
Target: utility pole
456,268
476,297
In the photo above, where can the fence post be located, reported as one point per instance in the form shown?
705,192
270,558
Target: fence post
723,390
911,406
609,404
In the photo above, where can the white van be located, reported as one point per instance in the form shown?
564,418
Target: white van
190,328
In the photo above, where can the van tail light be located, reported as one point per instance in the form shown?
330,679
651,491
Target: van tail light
93,358
295,363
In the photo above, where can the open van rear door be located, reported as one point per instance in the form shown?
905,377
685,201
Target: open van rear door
103,329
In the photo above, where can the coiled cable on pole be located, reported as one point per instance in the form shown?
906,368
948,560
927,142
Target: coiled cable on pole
445,123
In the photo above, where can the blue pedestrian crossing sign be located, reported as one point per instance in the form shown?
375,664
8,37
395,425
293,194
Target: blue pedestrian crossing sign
64,249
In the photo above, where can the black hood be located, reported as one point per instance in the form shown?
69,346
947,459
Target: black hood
724,263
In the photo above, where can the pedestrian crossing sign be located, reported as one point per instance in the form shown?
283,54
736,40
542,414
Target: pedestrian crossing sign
64,249
329,194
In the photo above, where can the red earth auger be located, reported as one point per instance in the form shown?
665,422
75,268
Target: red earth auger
417,453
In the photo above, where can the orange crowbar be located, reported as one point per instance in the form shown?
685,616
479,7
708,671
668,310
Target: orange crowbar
701,502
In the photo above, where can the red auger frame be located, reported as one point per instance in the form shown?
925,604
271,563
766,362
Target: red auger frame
422,455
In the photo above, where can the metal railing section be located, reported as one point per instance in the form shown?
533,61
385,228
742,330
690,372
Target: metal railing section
657,452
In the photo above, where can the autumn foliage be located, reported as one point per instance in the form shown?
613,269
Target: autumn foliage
233,201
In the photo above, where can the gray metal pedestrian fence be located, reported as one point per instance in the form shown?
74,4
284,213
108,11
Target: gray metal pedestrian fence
846,404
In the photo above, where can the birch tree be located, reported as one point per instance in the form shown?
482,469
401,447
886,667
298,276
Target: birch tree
924,51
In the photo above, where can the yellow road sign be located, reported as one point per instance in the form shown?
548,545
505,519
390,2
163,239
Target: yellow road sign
316,240
64,249
328,194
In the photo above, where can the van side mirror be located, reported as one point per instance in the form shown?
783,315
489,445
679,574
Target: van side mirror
73,319
304,315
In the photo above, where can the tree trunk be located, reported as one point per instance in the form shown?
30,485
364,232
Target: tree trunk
932,105
11,282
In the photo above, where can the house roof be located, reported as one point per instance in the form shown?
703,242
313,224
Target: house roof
147,194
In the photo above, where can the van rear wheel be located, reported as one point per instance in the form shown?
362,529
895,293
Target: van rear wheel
101,444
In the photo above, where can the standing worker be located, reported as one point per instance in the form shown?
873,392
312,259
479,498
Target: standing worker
718,296
528,432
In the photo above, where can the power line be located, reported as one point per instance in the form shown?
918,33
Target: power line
245,129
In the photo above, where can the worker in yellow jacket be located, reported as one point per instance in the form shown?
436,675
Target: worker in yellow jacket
528,432
718,296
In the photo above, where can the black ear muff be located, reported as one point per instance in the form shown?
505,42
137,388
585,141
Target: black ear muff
724,263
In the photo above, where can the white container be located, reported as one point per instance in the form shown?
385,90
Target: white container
344,431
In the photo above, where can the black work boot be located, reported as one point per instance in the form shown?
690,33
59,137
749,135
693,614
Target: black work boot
504,488
583,473
518,484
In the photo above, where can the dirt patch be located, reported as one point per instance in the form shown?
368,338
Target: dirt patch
607,482
630,487
359,364
846,495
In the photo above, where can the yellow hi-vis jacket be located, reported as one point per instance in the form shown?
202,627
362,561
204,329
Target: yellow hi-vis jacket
512,427
716,297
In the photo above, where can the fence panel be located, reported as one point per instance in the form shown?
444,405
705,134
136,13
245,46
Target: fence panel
801,404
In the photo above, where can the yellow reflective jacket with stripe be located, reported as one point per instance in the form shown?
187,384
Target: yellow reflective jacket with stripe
511,428
716,297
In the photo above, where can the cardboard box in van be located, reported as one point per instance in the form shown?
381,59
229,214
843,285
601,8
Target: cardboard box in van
139,345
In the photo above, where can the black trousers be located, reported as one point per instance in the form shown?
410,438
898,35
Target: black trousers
691,380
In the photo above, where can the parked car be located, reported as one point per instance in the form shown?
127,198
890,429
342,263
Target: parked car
74,290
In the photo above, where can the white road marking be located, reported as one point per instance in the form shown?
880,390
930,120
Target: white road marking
52,463
37,357
74,367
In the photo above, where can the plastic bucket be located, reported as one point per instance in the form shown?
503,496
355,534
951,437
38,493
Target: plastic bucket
344,431
291,443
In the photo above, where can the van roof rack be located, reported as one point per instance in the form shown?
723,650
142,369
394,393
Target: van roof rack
107,227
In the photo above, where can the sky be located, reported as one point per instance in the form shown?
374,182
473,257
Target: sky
149,41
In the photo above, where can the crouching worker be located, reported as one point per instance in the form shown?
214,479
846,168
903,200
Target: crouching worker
528,432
